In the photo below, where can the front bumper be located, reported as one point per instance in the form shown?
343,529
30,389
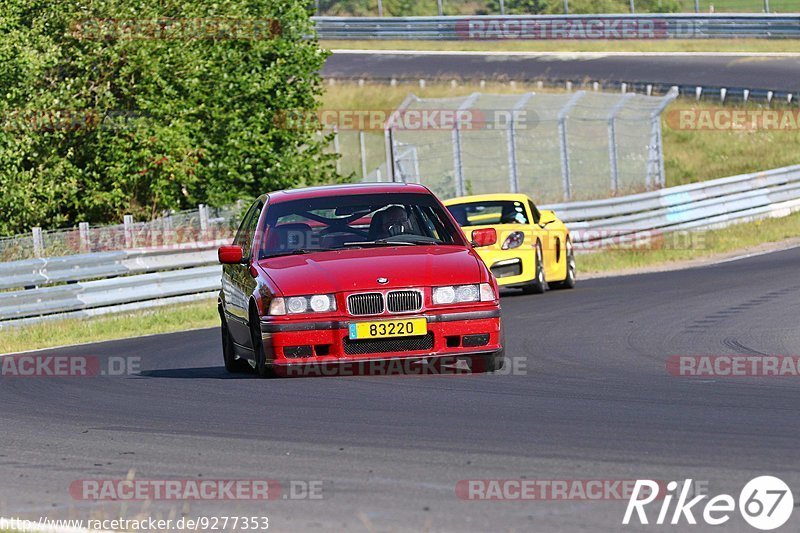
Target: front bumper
510,267
456,342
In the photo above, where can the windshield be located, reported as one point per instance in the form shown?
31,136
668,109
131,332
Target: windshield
489,213
357,221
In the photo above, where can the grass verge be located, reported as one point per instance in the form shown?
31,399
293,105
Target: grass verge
663,45
75,331
690,246
690,155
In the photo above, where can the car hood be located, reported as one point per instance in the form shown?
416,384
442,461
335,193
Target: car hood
360,268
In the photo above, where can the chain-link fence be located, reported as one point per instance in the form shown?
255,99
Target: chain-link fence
555,147
176,229
380,8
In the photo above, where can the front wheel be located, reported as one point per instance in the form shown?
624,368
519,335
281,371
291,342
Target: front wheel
232,364
263,369
569,281
539,283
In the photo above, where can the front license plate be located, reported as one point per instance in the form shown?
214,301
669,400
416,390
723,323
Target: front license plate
389,328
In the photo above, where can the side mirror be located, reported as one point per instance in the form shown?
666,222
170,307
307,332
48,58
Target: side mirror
547,217
230,255
484,237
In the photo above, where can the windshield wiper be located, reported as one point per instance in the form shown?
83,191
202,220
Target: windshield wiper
299,251
382,242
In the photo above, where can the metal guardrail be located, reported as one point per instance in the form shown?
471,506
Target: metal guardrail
135,279
521,27
708,204
122,280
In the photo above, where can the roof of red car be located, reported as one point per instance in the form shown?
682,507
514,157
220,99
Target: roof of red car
346,189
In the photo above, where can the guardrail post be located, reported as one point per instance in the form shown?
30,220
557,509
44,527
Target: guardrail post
502,7
380,8
83,232
38,241
566,7
362,149
612,140
564,148
766,6
127,222
439,7
511,139
697,6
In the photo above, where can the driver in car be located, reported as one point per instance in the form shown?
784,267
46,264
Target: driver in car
395,222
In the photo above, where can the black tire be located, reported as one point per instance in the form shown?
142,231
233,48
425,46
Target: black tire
263,369
569,281
232,365
539,283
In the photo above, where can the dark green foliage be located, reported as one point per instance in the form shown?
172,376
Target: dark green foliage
93,128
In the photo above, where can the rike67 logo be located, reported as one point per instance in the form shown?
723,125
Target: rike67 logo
765,503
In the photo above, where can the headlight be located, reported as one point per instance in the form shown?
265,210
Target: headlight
514,240
457,294
316,303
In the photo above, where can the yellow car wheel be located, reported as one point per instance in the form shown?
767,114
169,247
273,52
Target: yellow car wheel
569,281
539,283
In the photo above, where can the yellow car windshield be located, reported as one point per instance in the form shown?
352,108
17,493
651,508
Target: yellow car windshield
489,213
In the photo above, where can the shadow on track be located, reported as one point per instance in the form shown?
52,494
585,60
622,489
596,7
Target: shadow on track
204,372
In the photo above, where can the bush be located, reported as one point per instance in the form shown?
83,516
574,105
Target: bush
96,124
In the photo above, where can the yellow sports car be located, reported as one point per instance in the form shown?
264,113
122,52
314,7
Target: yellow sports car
532,248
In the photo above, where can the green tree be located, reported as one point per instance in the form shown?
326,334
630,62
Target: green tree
138,117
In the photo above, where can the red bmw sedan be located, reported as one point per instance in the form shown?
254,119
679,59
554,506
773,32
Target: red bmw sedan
357,279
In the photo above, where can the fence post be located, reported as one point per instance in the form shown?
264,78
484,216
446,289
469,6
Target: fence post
439,7
363,153
511,139
502,7
337,150
655,161
127,222
566,7
83,232
562,135
633,8
458,165
380,8
203,211
38,241
388,135
612,140
388,142
766,6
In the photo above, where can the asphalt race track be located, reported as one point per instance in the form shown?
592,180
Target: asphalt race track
777,73
590,399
